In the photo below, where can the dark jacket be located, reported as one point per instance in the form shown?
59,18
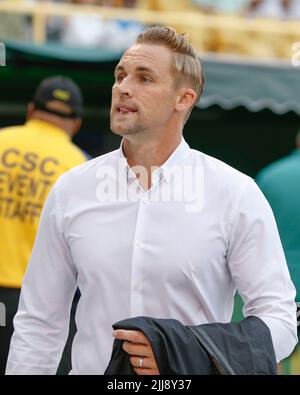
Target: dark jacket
209,349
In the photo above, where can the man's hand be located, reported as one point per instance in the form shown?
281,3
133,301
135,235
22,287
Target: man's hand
138,347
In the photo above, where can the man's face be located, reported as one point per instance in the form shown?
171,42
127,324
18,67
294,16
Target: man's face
143,96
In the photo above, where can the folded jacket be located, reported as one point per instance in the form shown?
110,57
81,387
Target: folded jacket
208,349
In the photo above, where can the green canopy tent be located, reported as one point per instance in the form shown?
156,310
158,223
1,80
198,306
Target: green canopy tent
253,111
248,116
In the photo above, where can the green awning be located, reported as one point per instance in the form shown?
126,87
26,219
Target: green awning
59,53
253,85
230,82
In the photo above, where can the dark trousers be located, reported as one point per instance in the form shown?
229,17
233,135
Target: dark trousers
9,298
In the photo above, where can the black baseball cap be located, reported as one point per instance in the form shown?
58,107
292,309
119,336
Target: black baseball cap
59,89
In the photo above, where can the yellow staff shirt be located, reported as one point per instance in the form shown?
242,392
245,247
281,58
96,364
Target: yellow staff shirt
32,157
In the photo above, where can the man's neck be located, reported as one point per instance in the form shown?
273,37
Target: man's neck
147,154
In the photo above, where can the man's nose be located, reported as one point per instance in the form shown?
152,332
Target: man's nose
125,88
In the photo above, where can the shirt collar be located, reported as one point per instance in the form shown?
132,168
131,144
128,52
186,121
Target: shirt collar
47,127
176,160
171,165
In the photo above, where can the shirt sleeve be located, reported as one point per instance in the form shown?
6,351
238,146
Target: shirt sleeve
258,267
42,322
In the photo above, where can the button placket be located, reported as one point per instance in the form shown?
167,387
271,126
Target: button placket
136,304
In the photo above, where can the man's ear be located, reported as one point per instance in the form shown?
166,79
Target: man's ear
186,99
30,111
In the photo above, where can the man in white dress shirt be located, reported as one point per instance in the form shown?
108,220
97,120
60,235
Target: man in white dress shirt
154,228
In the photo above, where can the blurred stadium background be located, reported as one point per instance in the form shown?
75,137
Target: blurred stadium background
250,112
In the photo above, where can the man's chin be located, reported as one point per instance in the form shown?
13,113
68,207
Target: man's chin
121,130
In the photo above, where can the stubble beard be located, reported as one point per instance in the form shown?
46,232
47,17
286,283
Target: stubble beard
123,130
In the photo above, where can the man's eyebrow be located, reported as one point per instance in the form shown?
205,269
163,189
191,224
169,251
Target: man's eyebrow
119,68
144,69
138,69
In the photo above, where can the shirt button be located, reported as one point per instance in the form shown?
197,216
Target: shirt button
137,287
139,243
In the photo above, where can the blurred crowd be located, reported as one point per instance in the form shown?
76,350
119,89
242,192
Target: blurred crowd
93,31
277,9
79,30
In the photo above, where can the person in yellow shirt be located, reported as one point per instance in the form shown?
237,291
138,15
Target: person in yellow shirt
32,157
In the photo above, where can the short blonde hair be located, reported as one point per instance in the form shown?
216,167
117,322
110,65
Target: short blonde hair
186,65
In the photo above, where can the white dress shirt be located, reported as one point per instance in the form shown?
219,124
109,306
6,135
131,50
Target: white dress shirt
179,250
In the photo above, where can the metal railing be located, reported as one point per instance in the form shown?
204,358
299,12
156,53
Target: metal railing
191,21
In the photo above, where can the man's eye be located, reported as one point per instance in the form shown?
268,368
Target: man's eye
146,79
119,77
